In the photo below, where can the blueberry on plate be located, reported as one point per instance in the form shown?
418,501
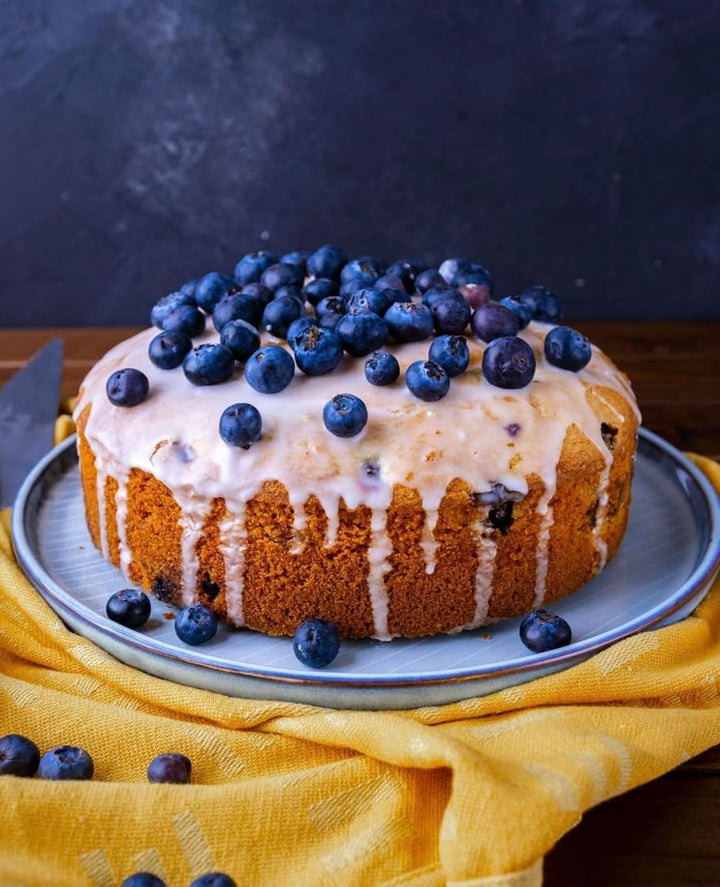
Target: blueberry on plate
427,380
508,362
129,607
409,321
250,268
169,303
241,338
567,348
196,624
188,319
19,756
270,369
241,425
317,351
213,879
541,631
143,879
171,767
66,762
362,334
543,303
493,320
316,642
127,387
452,353
213,287
345,415
327,261
382,368
167,350
209,364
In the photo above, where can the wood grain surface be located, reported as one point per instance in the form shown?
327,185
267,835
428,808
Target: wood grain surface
666,833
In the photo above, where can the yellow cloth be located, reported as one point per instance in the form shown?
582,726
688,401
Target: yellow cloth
473,793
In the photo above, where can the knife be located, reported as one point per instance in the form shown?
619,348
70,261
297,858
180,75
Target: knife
28,409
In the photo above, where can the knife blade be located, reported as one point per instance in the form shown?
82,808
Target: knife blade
28,409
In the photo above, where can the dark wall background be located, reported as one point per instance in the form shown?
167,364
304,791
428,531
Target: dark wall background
570,142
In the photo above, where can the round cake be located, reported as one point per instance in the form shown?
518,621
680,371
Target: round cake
452,496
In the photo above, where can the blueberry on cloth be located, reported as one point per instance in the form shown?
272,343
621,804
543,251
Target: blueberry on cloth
543,303
316,642
493,320
209,364
129,607
213,287
320,288
213,879
345,415
327,261
427,380
19,756
238,306
250,268
317,351
169,303
143,879
567,348
280,274
167,350
196,624
127,387
188,319
362,334
241,338
66,762
240,425
452,353
280,313
522,311
270,369
541,631
409,321
170,766
508,362
382,368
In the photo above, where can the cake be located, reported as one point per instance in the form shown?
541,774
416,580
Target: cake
441,513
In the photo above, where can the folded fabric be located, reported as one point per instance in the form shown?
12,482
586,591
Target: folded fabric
471,793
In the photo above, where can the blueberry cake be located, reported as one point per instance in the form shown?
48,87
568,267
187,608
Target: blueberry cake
391,448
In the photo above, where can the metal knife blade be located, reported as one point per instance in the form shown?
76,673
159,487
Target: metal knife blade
28,409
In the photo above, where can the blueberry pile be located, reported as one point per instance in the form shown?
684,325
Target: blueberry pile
325,307
20,756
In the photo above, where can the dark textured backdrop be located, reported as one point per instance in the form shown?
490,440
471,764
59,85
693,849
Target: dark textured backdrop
574,143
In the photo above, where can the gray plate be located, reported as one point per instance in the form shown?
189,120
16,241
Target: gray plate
667,562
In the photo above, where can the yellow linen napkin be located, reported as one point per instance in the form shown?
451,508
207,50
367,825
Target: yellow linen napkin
473,793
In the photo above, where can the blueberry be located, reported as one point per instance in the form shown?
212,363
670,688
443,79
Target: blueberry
427,279
196,624
188,319
356,283
407,270
391,282
280,274
493,320
209,364
345,415
409,321
296,257
316,642
452,353
250,268
382,368
451,312
370,299
522,311
543,303
261,293
270,369
474,275
189,287
169,303
362,334
317,351
326,261
19,756
167,350
213,879
171,767
241,338
238,306
66,762
567,348
330,321
541,631
240,425
212,287
129,607
365,268
143,879
280,313
450,268
508,362
289,289
427,380
298,327
330,305
127,387
439,291
320,288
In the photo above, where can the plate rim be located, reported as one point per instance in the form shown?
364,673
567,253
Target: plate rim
696,585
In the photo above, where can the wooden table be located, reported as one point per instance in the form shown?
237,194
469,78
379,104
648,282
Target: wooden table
666,833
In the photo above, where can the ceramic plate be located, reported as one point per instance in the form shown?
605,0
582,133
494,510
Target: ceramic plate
666,564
